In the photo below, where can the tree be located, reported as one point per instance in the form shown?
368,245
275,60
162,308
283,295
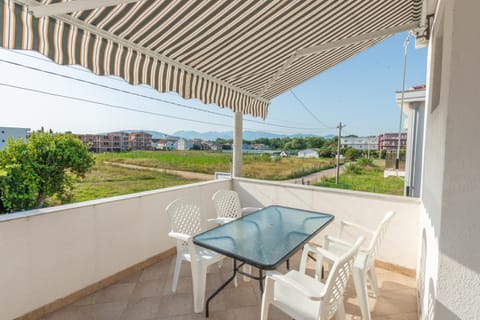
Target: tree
352,154
46,165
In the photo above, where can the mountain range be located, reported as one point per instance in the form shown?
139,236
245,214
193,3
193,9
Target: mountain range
213,135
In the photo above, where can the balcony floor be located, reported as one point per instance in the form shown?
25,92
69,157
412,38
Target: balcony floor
146,295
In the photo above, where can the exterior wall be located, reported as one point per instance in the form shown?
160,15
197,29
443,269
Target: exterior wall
50,253
400,243
15,133
449,277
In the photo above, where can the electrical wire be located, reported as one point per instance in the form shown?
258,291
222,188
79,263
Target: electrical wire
310,112
109,104
146,96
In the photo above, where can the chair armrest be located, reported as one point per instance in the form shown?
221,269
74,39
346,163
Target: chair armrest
220,220
180,236
321,251
350,224
332,239
312,295
248,210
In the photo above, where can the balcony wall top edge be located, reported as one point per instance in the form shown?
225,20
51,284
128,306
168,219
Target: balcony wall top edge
35,212
361,194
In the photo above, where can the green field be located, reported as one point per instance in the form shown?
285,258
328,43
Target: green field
107,181
254,166
368,179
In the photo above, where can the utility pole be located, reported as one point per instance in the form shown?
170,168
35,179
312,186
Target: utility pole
340,126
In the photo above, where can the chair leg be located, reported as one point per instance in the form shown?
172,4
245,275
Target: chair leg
340,313
267,298
372,276
360,283
247,269
198,279
176,273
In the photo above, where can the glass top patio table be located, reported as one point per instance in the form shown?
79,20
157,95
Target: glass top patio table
265,238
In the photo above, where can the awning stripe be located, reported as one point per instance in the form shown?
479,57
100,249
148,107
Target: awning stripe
236,54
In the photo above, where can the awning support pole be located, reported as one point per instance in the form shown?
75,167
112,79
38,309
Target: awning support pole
237,144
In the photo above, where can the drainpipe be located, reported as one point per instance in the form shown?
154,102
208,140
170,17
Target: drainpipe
237,144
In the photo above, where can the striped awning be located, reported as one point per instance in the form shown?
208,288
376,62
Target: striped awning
236,54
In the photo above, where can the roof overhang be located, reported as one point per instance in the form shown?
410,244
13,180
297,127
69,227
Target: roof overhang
236,54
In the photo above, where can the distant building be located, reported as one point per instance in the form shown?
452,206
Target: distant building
308,153
110,142
140,141
360,143
389,141
164,144
14,133
184,144
119,141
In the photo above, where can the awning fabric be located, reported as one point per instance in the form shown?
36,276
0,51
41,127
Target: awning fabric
236,54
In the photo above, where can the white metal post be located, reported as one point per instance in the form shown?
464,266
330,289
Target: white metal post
237,144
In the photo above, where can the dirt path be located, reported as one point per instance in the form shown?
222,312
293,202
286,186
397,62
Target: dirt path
316,176
308,179
184,174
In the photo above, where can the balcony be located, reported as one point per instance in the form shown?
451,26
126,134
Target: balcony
112,259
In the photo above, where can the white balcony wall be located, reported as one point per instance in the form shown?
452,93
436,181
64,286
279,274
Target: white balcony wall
50,253
400,246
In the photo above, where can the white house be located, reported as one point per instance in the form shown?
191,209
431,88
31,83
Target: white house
308,153
14,133
184,144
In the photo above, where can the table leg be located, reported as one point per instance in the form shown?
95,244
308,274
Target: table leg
260,280
222,286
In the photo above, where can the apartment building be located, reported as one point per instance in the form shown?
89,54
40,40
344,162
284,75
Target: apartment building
140,141
12,132
361,143
184,144
389,141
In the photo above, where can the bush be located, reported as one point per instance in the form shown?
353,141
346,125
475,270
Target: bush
365,162
353,169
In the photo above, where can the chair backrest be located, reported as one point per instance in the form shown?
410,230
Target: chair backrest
377,237
337,281
227,204
185,216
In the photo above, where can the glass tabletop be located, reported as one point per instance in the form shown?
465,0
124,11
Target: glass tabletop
265,238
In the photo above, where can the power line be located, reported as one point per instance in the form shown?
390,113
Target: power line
310,112
146,96
109,105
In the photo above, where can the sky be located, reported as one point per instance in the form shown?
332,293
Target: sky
360,93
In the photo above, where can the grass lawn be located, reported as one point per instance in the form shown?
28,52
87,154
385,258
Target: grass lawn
107,181
368,179
254,166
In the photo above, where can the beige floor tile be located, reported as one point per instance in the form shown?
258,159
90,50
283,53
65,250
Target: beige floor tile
147,295
145,289
116,292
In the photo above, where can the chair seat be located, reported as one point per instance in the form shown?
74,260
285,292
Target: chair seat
294,302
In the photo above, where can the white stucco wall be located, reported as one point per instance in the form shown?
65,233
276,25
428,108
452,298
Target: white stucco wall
451,182
50,253
401,241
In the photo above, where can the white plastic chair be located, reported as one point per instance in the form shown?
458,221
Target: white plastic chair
304,297
227,206
365,262
186,220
